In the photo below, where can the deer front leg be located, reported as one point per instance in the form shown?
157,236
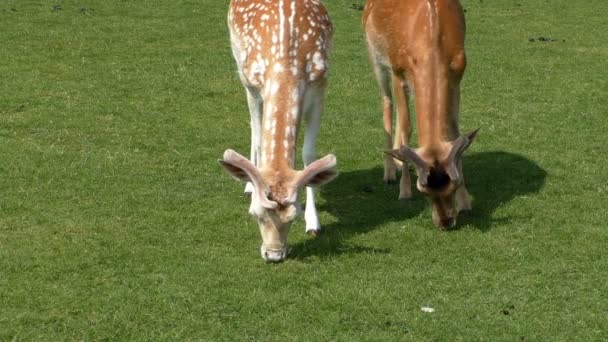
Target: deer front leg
254,101
383,77
403,131
390,169
313,107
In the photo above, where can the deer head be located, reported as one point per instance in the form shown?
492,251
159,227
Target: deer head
274,201
439,175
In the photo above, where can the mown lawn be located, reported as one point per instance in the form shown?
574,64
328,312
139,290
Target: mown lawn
117,223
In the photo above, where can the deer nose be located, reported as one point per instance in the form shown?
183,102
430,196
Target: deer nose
274,255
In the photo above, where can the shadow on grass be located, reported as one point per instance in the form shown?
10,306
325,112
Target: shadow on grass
494,179
361,202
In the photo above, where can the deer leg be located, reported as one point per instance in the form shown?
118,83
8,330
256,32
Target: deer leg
383,78
254,101
403,132
390,169
313,107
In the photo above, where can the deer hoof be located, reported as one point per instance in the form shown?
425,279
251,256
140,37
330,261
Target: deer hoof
406,195
248,189
313,233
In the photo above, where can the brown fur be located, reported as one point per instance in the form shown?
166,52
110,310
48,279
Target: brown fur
420,43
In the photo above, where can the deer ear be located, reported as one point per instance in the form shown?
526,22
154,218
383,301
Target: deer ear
235,171
239,167
458,147
397,154
471,135
452,171
406,153
319,172
242,169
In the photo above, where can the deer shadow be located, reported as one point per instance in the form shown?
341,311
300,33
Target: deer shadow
494,179
361,202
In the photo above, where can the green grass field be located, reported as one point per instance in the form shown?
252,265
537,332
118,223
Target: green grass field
117,223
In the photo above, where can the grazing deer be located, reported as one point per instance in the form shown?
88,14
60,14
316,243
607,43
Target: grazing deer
281,49
420,44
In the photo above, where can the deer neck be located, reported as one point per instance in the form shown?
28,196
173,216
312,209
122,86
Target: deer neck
437,72
281,119
432,106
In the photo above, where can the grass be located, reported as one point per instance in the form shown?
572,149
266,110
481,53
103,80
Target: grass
116,222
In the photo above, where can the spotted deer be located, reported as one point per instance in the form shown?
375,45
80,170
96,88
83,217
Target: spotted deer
419,44
281,50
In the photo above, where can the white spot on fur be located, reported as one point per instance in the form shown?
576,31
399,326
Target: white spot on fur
281,28
294,111
290,131
274,89
318,61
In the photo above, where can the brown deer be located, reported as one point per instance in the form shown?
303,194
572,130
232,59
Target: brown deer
281,49
419,44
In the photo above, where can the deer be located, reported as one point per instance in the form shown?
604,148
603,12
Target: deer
281,48
416,48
